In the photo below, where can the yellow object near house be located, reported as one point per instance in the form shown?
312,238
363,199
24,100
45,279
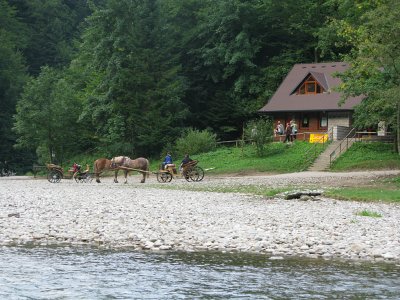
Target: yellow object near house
318,138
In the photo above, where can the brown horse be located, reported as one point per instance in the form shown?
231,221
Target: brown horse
122,163
100,165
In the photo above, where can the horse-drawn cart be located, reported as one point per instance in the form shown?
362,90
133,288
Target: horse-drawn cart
190,171
56,173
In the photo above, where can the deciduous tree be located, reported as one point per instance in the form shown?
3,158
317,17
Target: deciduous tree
375,65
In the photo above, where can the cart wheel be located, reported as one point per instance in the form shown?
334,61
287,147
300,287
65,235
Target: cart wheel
186,174
54,176
197,174
88,178
164,177
79,179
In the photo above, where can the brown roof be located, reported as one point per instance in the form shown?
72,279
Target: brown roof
285,99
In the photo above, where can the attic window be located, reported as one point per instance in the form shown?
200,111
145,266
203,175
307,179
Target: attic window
310,86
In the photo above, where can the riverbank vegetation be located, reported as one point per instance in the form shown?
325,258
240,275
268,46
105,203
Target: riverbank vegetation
289,158
368,213
364,157
380,192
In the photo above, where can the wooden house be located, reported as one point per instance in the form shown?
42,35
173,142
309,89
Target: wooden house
307,96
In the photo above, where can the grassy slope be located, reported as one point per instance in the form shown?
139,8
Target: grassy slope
368,156
279,158
283,158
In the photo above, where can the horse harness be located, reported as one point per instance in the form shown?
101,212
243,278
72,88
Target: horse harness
116,165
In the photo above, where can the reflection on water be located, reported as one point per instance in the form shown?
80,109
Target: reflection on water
60,273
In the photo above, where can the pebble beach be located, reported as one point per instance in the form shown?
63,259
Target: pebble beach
147,217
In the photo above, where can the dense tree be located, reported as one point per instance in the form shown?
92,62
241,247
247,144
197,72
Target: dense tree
47,115
237,52
144,71
12,77
135,103
375,63
43,35
52,27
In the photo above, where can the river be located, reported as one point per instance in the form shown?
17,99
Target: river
87,273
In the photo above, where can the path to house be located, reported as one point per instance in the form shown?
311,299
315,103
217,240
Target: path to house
141,216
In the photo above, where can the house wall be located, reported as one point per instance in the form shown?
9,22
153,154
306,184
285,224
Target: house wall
314,125
340,132
338,119
313,121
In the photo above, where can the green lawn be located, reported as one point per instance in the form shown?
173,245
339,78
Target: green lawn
368,156
382,193
279,158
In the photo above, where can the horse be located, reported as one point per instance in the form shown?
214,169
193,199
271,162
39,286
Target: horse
124,163
101,165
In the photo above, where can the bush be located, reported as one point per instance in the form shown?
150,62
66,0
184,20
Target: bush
260,132
194,141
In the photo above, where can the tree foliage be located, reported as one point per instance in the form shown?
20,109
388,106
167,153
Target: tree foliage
136,103
41,120
52,26
129,77
375,64
195,141
12,76
259,131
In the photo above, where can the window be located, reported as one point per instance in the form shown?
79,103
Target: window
323,122
310,86
305,121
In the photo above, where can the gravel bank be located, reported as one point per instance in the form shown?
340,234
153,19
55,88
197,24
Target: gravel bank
139,216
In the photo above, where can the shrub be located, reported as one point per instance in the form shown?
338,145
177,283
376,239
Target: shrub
260,131
194,141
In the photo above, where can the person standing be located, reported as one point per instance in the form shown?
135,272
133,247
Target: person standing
294,129
279,129
288,133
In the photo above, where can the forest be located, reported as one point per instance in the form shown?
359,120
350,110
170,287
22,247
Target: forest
115,77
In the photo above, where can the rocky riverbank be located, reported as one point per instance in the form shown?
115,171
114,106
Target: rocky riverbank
143,217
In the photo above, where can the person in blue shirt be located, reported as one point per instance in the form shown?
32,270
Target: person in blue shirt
167,160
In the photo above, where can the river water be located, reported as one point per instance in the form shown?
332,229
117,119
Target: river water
70,273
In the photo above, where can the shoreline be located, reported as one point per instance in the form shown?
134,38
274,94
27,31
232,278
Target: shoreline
140,217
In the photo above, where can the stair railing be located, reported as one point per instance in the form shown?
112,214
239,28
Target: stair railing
312,152
343,146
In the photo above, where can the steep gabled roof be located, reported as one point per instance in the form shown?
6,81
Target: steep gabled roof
319,77
285,98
